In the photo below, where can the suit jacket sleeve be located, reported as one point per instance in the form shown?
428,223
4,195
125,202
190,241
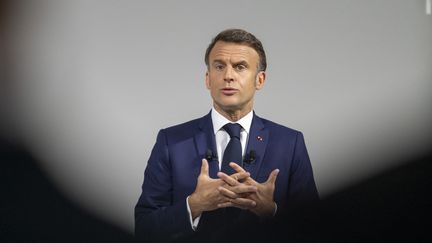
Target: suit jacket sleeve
302,187
157,216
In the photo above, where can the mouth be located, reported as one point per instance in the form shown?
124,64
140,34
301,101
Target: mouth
229,91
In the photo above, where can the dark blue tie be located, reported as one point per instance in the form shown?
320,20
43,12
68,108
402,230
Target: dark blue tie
233,151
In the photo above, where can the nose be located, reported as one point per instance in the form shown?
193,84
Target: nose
229,75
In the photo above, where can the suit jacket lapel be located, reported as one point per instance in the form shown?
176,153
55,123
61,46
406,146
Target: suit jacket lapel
258,139
205,140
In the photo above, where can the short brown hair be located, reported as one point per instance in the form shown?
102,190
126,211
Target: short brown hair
243,37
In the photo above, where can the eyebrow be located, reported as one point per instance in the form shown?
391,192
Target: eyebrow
242,62
218,61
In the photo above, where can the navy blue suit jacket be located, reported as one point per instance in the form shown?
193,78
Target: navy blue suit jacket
175,163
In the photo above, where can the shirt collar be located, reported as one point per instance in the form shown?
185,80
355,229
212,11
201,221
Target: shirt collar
219,121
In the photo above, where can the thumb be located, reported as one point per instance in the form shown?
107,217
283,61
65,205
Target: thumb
272,177
204,167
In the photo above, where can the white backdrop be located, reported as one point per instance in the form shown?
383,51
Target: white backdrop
94,81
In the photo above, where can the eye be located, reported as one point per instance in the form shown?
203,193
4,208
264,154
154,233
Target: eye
240,67
219,67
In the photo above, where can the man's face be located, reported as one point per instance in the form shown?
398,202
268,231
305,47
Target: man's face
233,76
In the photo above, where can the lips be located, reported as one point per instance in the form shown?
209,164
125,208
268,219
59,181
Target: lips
229,91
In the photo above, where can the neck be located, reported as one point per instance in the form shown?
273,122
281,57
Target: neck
232,115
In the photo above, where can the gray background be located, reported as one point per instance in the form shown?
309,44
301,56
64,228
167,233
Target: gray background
94,81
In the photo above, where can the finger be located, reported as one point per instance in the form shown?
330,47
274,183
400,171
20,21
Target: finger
237,191
204,167
243,205
240,176
236,167
227,179
233,179
243,202
272,177
227,193
230,204
225,204
242,188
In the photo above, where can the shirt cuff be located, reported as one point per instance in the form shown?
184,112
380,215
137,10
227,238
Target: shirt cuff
194,223
275,210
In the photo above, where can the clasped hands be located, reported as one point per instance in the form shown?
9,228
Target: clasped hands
236,190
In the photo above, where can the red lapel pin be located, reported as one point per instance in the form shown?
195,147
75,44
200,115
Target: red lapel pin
259,138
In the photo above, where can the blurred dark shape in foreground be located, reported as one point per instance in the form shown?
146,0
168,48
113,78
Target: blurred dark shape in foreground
33,210
394,206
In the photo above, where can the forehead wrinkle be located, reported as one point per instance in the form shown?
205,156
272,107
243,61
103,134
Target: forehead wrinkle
233,53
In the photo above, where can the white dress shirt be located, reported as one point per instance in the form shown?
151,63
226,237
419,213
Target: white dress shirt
222,139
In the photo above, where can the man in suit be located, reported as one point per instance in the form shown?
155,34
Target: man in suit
230,166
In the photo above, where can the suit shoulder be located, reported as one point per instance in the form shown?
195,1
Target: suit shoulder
280,129
183,126
181,131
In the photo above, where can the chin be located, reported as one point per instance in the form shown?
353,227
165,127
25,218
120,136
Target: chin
230,107
229,104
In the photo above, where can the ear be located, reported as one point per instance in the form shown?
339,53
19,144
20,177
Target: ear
260,80
207,80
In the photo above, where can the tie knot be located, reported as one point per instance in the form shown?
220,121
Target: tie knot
233,129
